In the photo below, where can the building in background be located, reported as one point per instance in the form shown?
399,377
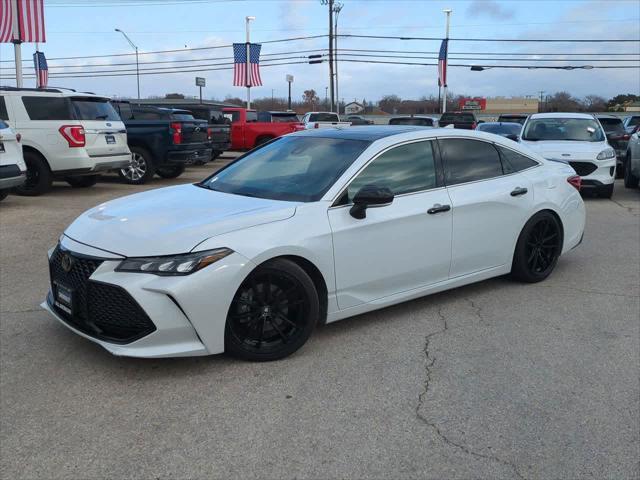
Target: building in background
353,108
500,105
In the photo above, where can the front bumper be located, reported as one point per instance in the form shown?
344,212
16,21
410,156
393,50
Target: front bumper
600,172
188,312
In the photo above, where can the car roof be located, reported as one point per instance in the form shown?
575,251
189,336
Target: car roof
561,115
412,116
514,115
501,123
366,132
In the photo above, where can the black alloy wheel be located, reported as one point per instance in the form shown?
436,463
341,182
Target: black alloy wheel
273,312
171,171
538,248
39,179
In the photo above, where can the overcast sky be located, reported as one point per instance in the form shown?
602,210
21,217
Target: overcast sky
84,27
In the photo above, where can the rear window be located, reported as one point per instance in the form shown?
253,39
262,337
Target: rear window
141,113
323,117
48,108
182,116
3,110
611,124
284,117
424,122
460,117
94,109
633,121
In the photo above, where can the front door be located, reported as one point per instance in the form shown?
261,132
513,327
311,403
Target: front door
398,247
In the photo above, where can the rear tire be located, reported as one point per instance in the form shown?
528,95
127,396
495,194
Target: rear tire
39,178
82,182
173,171
273,312
630,180
606,191
538,248
141,169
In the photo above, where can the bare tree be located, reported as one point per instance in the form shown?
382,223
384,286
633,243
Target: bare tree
594,103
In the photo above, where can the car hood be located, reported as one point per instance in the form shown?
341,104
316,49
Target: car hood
566,150
171,220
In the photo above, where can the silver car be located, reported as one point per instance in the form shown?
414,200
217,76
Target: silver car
632,160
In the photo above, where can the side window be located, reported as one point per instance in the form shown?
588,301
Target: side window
252,116
125,111
4,115
144,114
469,160
404,169
48,108
514,161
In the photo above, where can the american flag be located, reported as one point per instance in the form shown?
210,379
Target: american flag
30,15
42,71
442,63
240,77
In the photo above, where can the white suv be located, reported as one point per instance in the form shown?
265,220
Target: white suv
66,135
577,139
12,167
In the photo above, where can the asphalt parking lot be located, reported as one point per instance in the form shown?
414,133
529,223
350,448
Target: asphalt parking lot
492,380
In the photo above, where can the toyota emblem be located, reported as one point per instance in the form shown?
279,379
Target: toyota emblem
67,262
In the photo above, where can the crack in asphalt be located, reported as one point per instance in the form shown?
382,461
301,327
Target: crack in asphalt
628,209
23,311
582,290
430,362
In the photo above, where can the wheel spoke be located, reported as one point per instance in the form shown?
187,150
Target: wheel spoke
285,319
277,329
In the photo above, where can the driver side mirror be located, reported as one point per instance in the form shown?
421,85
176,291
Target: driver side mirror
370,196
512,136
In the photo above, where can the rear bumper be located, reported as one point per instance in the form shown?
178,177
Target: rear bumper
10,182
186,157
114,163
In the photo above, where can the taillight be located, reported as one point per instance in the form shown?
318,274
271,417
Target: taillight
176,134
316,125
73,134
575,181
474,125
209,133
625,136
18,137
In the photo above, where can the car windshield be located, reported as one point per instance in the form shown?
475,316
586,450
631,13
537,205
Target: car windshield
512,118
460,117
323,117
501,128
289,168
570,129
425,122
94,109
182,116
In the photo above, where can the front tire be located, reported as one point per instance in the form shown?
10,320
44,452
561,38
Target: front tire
538,248
141,169
630,180
173,171
82,182
273,312
39,179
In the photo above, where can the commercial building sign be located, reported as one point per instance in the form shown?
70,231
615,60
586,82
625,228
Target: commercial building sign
473,104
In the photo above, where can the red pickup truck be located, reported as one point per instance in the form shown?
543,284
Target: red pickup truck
247,132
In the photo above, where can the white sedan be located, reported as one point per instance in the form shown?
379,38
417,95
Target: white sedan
311,228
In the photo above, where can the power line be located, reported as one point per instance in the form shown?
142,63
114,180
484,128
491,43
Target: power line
487,53
528,67
536,40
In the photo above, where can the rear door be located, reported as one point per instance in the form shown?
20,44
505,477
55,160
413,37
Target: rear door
490,205
105,134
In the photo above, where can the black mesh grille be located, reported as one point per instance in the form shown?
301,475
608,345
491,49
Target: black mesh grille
583,168
100,310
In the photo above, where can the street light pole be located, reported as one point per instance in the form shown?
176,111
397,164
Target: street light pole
137,63
134,46
248,64
337,8
444,96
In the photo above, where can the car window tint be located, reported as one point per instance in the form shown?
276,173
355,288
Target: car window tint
125,110
404,169
3,110
323,117
469,160
514,161
94,109
48,108
148,114
252,116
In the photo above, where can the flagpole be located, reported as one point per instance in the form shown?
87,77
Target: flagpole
248,64
446,60
17,48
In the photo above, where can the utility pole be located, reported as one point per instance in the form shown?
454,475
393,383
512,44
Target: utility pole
248,64
541,92
330,3
444,96
337,8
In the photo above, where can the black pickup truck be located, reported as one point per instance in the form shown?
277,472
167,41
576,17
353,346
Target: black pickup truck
464,120
219,126
161,140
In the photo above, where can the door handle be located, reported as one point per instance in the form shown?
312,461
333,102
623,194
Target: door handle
437,208
519,191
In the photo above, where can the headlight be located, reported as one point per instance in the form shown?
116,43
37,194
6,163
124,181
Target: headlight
608,153
175,264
